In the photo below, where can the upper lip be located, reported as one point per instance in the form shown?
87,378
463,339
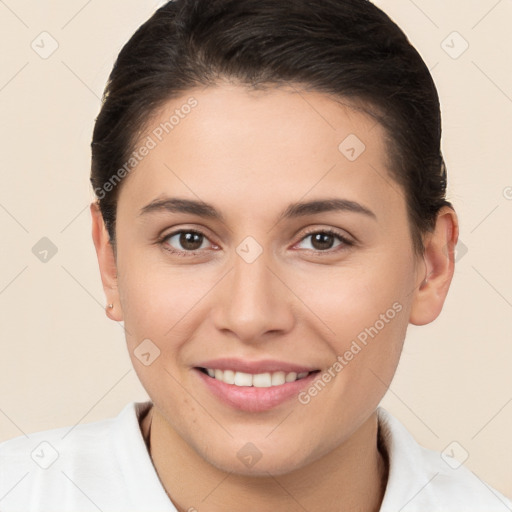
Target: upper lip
254,367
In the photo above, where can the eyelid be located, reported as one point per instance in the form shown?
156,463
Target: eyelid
346,241
180,228
161,240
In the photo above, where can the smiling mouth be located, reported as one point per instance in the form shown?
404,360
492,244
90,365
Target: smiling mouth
257,380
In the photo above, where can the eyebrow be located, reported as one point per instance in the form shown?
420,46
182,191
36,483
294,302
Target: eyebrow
202,209
325,205
176,205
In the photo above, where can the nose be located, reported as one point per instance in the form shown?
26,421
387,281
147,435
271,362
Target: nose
252,303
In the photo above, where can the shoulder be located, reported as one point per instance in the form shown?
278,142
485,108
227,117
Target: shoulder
421,479
47,447
78,467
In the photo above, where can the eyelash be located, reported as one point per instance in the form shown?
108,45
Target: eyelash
345,242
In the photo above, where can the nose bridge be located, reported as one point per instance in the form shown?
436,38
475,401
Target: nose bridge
251,302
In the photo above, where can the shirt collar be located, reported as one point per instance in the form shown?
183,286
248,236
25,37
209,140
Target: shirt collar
408,487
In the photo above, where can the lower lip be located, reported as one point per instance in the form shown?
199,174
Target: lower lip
253,399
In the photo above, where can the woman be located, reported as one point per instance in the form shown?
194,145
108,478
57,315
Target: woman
271,216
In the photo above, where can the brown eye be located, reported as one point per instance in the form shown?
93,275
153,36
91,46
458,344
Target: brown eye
186,241
323,241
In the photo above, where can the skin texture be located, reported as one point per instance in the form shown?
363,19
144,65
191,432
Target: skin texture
250,154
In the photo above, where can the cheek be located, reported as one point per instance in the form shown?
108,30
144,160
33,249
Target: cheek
159,300
350,298
366,310
158,306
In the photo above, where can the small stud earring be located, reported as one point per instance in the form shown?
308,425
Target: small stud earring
111,306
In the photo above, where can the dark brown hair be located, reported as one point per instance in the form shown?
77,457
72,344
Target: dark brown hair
346,48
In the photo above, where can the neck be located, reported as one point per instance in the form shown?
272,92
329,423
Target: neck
351,477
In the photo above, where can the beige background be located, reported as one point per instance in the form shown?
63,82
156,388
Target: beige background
64,362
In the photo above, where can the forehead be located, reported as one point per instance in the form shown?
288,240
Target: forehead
252,149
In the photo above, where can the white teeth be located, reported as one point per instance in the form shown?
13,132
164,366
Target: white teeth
229,377
262,380
291,377
278,378
258,380
241,378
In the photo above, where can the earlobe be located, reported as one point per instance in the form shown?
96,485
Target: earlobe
107,264
435,276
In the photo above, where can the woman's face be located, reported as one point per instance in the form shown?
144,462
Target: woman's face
302,261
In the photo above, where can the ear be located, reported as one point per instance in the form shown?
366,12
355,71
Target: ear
439,258
107,263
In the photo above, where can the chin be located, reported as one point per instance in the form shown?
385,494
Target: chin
260,469
249,461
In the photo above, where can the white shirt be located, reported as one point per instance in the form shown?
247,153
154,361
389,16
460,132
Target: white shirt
105,466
